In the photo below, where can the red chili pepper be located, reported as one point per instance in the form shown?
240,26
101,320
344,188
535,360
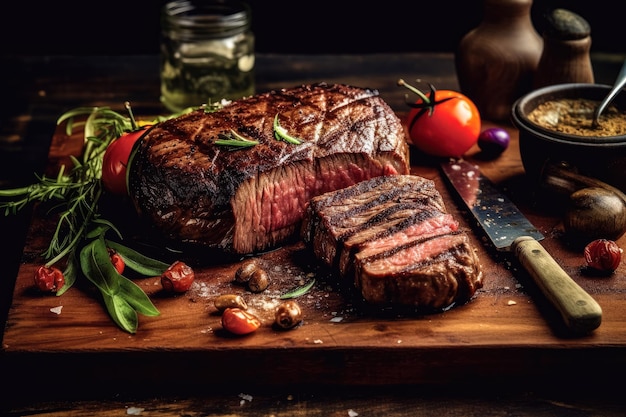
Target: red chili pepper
238,321
49,279
117,261
603,255
178,277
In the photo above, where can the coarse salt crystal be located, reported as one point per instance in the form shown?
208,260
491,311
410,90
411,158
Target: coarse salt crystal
56,310
511,303
245,397
134,411
352,413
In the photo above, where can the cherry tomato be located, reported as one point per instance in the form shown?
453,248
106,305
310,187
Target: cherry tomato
442,123
238,321
178,277
115,161
49,279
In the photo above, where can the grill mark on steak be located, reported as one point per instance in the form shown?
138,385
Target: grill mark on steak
367,211
399,248
253,199
417,226
419,250
438,282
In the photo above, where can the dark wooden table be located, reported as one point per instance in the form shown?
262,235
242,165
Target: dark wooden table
38,89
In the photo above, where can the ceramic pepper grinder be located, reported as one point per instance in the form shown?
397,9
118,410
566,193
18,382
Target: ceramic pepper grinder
496,61
566,46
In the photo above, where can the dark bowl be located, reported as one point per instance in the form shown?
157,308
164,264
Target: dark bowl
602,158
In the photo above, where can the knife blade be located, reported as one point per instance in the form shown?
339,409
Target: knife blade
509,230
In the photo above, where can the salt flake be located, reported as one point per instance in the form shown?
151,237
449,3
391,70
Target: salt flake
352,413
56,310
134,411
511,303
245,397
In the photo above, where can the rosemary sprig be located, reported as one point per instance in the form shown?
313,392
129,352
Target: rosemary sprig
297,292
234,139
79,236
280,133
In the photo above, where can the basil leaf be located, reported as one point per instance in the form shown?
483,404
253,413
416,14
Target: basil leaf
121,312
106,225
122,297
137,298
97,231
102,261
91,269
137,262
70,274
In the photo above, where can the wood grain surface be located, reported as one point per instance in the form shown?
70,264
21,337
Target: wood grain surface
506,331
345,357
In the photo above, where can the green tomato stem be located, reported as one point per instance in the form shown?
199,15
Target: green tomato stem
423,96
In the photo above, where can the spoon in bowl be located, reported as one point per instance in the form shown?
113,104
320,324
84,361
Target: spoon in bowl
617,87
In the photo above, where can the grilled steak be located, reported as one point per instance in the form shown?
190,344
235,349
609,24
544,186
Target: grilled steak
393,238
248,199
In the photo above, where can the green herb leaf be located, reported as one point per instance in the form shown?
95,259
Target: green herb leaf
137,262
122,313
297,292
120,294
280,133
136,297
235,140
97,267
70,273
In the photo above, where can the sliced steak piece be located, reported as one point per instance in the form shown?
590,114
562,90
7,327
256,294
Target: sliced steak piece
394,239
244,200
433,272
338,220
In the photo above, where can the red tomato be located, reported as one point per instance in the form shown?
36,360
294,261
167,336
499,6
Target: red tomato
238,321
115,161
443,123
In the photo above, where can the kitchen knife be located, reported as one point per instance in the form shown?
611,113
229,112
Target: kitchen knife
509,230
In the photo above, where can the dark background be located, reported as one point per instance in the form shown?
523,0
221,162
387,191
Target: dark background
122,27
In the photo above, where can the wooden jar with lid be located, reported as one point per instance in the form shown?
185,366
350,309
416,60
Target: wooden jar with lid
496,61
565,57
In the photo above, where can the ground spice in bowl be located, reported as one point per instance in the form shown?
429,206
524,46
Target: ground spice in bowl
575,116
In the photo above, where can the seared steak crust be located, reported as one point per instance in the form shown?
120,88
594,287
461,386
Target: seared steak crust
393,238
250,199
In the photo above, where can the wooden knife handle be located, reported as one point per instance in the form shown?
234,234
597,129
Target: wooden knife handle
581,313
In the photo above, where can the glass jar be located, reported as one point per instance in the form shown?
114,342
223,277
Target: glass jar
207,53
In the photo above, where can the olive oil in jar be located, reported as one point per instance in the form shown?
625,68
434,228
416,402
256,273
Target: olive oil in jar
207,53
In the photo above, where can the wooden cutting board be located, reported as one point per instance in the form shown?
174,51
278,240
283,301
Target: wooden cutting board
506,331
